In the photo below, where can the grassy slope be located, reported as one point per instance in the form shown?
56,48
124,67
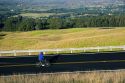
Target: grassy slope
66,38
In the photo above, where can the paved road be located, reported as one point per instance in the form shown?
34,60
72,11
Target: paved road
63,63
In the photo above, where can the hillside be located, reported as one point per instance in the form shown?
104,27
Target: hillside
64,3
88,6
65,38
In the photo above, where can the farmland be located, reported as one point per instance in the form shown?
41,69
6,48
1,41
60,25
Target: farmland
36,15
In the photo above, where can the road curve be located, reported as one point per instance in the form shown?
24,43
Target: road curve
63,63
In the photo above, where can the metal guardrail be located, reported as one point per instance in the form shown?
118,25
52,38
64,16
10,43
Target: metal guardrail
110,48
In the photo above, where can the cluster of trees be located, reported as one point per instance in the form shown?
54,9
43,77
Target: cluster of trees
91,10
27,24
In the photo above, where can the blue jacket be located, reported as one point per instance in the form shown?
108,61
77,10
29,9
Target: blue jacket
41,57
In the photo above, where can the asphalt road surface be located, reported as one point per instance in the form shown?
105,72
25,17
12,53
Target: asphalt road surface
63,63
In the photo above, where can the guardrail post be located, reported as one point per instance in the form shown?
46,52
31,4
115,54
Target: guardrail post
124,48
71,51
57,51
44,52
84,50
98,49
110,47
29,52
14,52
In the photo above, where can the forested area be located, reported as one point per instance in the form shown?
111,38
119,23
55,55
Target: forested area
20,23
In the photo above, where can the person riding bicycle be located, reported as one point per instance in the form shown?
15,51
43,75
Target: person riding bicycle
42,60
41,57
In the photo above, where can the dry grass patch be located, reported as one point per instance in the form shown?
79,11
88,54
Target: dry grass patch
94,77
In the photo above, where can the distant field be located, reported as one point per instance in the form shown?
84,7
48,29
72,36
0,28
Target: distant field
36,15
94,77
64,38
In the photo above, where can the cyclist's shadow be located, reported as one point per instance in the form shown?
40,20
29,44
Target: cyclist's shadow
54,59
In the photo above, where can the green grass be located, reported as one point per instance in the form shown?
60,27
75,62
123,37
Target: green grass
64,38
36,15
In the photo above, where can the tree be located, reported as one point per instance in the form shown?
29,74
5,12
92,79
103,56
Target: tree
55,23
1,25
41,24
10,24
27,25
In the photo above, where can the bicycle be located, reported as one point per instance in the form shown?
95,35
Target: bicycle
43,63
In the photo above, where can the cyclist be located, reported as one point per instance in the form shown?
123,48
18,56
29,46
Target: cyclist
42,60
41,57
